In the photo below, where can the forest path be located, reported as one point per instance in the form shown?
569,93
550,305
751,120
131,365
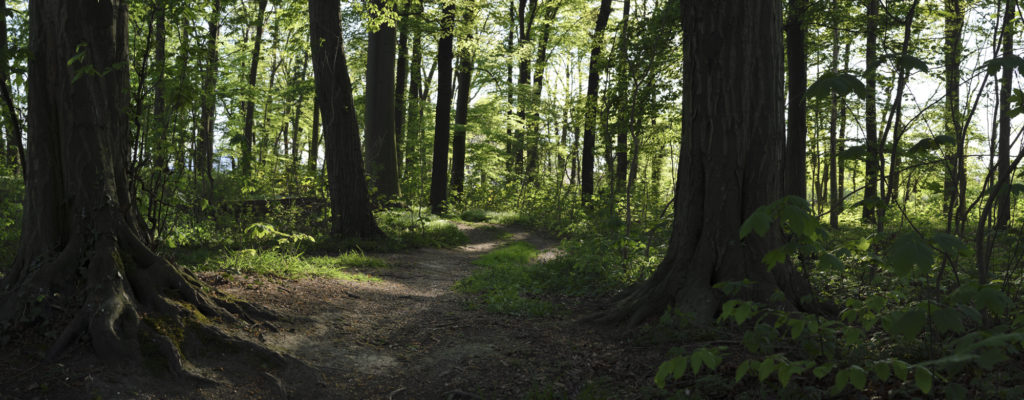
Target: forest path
410,336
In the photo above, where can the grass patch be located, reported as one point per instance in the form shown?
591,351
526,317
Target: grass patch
504,279
473,215
272,263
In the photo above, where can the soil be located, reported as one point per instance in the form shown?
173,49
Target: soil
408,336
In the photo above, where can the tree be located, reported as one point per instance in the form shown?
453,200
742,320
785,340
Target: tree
872,169
442,117
351,214
465,76
81,257
381,153
590,117
1005,90
796,131
208,109
728,164
401,76
250,105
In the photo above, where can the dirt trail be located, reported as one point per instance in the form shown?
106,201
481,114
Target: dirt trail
410,336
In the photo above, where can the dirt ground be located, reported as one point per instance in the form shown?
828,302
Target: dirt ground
408,336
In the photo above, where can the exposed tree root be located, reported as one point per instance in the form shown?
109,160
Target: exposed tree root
131,305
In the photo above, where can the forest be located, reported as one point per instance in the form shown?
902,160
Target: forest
540,199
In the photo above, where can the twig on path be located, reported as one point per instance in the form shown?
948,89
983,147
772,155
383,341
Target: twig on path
394,392
456,392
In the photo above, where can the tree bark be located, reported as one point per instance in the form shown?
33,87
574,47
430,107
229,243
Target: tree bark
381,153
1005,90
250,105
351,214
464,75
401,75
796,132
728,164
81,257
835,203
208,112
314,141
15,148
590,119
442,117
621,85
871,167
415,105
956,179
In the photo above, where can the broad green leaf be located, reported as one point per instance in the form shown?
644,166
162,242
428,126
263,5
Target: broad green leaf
908,251
992,299
883,371
949,244
741,371
909,323
858,377
948,320
899,368
765,369
796,327
758,222
990,357
841,84
822,370
830,261
923,379
784,374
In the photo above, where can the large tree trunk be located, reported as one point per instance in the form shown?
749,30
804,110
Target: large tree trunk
351,214
250,105
590,117
465,75
81,258
442,117
208,112
728,164
872,169
796,134
381,153
1005,89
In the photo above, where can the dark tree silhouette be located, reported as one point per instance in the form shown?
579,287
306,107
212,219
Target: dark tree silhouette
729,165
351,215
443,117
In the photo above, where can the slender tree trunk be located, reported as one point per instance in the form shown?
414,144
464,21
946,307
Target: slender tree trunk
590,119
351,214
728,165
297,117
250,105
523,93
621,85
160,140
204,151
442,118
381,153
955,165
902,76
833,175
796,131
1005,90
314,141
15,148
415,105
872,169
464,75
401,75
533,152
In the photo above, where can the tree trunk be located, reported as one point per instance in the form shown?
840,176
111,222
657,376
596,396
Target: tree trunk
796,137
314,141
297,117
208,111
442,117
621,85
728,164
833,120
159,138
464,75
871,167
351,214
15,148
415,105
1005,90
401,75
898,128
955,165
81,257
250,105
590,119
381,153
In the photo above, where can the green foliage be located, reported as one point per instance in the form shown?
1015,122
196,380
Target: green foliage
508,281
291,266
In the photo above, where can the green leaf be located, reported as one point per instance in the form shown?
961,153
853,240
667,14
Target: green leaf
948,320
796,327
784,374
758,222
990,357
923,379
883,371
858,377
830,261
842,378
741,371
765,369
840,83
910,62
994,65
899,368
992,299
908,324
949,244
856,153
908,251
822,370
955,391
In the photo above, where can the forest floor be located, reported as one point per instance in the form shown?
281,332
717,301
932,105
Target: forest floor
407,335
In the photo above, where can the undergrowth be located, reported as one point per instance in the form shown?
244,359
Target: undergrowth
293,266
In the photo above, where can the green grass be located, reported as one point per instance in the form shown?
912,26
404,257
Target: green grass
272,263
506,276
